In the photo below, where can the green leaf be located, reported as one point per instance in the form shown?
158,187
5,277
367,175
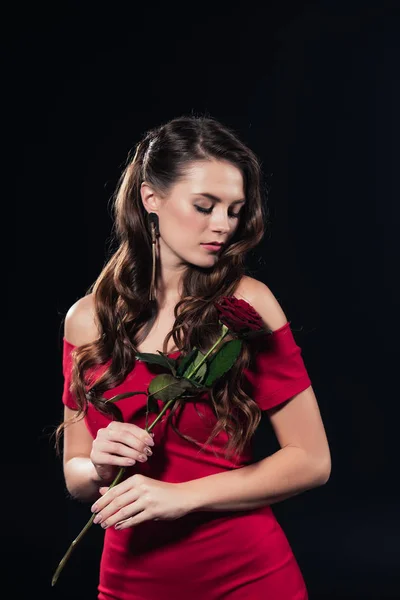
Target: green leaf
196,384
171,362
186,361
223,360
157,359
124,395
201,372
152,405
196,389
168,387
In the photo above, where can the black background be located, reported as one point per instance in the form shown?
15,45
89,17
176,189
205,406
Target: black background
314,89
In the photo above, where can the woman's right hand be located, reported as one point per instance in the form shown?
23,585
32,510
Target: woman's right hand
119,445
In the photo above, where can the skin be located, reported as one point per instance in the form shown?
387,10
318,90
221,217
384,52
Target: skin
179,212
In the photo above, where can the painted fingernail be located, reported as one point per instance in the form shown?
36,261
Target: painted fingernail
97,519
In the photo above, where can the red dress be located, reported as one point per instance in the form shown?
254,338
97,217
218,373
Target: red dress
226,555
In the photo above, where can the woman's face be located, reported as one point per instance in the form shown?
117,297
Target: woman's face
202,207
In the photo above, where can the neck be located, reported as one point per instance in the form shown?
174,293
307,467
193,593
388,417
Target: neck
170,272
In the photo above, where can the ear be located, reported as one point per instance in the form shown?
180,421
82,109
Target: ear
150,200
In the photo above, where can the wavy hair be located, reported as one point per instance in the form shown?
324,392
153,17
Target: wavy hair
124,313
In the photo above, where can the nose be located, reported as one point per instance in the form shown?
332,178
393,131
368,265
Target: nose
220,221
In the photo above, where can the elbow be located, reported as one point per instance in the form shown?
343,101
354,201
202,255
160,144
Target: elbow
324,472
73,488
79,481
82,493
73,493
319,469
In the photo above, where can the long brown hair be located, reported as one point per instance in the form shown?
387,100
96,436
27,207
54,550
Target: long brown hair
123,311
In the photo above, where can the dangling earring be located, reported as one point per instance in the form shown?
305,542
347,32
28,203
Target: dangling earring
154,228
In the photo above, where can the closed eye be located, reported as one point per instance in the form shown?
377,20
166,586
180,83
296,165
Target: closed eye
207,211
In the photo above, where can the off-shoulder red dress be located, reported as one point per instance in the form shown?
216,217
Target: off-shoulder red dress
226,555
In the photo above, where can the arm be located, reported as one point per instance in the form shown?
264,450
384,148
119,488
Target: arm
298,466
303,461
92,463
81,478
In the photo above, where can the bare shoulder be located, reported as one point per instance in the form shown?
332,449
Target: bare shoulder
80,323
262,299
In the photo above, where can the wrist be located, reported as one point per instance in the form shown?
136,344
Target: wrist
190,497
103,475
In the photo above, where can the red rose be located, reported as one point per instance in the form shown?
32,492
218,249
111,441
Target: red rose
238,315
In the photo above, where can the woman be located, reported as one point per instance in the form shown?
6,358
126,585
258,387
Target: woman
192,515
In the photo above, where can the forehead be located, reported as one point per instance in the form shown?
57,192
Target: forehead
217,177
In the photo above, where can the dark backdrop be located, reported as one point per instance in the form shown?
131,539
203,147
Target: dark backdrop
314,88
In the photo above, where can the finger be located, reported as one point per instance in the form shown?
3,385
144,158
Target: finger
129,434
103,490
128,445
138,452
120,509
142,434
128,449
114,492
140,517
105,458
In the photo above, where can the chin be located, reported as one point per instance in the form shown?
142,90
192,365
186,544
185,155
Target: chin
204,262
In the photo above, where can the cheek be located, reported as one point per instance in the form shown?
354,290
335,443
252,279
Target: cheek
188,222
182,229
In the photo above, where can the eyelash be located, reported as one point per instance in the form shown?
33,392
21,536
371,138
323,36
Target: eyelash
207,211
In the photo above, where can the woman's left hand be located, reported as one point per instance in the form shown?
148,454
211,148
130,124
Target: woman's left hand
138,499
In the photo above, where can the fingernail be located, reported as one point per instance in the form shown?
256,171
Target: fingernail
150,441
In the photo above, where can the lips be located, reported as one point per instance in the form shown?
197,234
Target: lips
212,244
212,247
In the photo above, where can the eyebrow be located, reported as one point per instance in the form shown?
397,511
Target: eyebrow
216,199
